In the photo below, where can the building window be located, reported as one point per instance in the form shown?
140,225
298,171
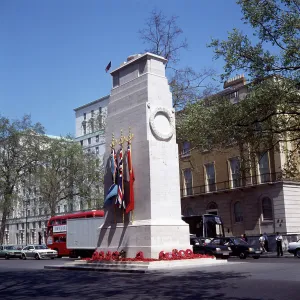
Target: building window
40,224
81,143
97,150
71,206
33,225
28,212
267,210
186,149
188,182
235,172
97,138
84,128
264,167
58,209
84,116
65,208
212,208
23,225
17,226
238,212
89,141
92,113
210,177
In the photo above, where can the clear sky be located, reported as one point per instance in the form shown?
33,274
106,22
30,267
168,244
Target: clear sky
53,52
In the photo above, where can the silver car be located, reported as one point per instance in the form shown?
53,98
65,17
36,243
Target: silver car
294,248
38,252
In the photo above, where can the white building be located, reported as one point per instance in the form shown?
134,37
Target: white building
90,124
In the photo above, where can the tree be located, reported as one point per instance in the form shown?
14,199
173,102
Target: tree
163,37
65,172
276,26
19,152
270,112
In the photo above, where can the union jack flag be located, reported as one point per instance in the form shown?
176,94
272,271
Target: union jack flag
120,198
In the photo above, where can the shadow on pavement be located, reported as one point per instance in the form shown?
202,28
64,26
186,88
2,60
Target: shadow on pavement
45,284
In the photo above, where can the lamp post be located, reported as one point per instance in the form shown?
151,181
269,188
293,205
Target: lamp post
26,217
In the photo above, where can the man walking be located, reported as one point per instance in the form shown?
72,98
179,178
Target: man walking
278,239
262,243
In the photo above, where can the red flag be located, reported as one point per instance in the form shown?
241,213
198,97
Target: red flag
130,205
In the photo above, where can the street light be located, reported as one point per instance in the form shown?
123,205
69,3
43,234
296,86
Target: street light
26,216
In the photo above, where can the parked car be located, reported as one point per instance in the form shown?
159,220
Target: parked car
294,248
238,246
8,252
204,246
38,252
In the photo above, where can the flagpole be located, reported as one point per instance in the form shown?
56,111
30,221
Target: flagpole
122,139
112,145
129,139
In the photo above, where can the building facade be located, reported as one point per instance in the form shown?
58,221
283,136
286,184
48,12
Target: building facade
260,201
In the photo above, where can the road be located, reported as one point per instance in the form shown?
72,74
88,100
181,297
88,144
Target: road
268,278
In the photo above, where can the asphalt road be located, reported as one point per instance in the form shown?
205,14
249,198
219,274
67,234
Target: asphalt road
263,279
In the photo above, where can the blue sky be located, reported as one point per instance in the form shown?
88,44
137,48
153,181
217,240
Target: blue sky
53,52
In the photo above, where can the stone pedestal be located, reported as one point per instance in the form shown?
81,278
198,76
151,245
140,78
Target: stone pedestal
141,99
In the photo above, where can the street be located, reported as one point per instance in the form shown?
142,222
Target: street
268,278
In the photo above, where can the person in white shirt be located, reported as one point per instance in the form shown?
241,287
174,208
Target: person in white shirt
262,243
278,239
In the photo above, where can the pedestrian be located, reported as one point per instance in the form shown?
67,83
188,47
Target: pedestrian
245,238
278,239
266,242
40,238
262,243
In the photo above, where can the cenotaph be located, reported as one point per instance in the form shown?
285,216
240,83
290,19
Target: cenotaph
141,100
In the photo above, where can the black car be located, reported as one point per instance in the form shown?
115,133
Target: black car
202,246
238,247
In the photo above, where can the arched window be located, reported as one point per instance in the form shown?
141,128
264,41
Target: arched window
267,210
212,205
238,212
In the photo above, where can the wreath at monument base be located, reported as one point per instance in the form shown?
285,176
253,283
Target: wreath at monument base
120,256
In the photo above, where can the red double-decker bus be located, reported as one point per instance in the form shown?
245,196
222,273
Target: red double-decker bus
57,230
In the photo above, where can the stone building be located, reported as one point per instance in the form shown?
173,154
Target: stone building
262,201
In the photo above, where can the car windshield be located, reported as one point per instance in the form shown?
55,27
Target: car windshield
41,247
10,248
239,241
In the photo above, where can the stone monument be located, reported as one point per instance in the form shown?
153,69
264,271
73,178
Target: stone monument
141,100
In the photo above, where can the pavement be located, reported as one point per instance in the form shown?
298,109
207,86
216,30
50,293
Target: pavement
274,255
250,279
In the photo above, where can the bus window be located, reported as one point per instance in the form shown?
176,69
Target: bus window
58,222
64,221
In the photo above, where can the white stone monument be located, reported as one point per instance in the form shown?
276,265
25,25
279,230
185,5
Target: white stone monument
141,100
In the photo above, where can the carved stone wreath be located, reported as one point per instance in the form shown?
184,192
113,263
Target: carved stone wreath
161,135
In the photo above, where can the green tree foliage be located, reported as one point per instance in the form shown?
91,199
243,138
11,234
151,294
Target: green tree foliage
66,171
19,152
274,48
270,111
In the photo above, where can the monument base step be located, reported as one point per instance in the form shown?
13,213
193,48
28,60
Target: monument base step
138,266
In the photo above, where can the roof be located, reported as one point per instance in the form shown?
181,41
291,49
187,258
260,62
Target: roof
138,57
91,103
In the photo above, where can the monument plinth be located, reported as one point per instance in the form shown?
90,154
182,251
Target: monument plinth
141,100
